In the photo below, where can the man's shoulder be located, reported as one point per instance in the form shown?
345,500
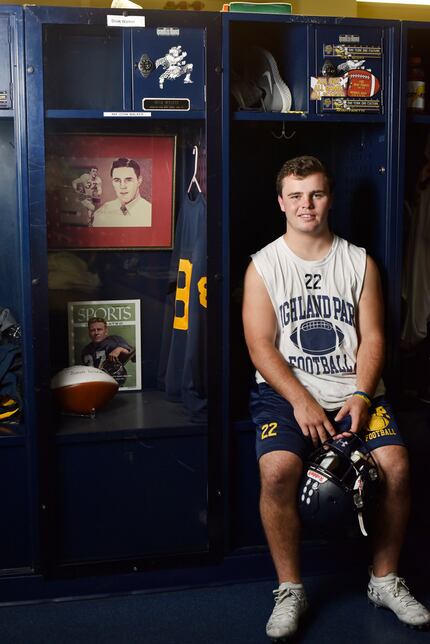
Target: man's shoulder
269,248
117,340
108,206
270,254
142,204
88,347
268,259
342,241
346,246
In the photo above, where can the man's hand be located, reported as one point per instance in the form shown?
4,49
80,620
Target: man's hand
313,420
358,409
115,353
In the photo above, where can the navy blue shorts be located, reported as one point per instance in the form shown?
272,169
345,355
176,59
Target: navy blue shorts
277,428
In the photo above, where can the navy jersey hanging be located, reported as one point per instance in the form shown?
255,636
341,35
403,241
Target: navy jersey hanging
185,377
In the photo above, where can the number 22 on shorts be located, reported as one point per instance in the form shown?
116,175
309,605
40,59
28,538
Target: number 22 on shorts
268,430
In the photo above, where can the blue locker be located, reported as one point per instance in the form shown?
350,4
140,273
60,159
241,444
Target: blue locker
168,69
85,76
357,140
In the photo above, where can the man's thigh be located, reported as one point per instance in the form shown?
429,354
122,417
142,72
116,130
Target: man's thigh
381,430
276,427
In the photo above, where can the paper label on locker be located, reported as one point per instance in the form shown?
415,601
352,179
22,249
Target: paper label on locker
125,21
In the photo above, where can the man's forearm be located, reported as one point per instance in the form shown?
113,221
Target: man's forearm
276,372
370,362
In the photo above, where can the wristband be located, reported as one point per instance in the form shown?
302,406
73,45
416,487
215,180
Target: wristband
364,396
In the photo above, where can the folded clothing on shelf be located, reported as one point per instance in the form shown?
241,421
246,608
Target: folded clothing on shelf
258,7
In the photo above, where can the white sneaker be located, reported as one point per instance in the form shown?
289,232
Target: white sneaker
391,592
290,605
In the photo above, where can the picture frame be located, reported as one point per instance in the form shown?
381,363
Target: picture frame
122,322
110,191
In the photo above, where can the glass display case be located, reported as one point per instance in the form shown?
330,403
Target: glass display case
125,226
18,469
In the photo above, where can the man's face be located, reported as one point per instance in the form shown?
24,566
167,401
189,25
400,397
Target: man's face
306,202
97,332
126,184
94,172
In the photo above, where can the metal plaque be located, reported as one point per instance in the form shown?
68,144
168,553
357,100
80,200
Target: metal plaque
166,104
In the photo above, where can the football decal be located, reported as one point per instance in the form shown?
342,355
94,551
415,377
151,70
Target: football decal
362,83
317,337
380,423
380,419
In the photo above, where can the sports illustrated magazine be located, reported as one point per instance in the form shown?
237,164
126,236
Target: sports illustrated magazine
106,334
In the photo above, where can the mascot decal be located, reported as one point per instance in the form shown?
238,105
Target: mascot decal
175,66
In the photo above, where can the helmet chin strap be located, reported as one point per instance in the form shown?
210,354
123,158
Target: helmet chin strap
358,500
361,524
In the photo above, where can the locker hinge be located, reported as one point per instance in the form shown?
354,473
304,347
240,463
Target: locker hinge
10,42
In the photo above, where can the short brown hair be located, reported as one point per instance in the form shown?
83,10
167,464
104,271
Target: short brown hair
94,320
302,167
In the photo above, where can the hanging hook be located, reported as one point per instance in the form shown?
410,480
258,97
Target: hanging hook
194,177
283,134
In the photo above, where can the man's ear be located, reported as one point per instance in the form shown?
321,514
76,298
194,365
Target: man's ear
281,203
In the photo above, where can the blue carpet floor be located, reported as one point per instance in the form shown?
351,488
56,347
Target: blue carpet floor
227,614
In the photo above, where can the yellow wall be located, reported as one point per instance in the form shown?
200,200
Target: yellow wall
395,12
347,8
360,9
322,8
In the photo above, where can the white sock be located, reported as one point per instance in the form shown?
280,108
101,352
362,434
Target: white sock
379,580
292,586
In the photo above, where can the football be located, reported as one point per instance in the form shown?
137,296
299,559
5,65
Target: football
83,390
362,83
317,337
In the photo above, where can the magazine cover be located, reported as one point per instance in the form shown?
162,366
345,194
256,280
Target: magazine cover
106,335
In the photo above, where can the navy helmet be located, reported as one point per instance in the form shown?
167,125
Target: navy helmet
338,486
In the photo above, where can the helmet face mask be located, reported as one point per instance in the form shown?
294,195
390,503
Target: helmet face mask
338,484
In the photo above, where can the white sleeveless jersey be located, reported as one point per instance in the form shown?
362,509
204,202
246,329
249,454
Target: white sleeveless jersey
316,304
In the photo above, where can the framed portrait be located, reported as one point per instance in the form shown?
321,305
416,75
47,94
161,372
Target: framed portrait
108,191
106,334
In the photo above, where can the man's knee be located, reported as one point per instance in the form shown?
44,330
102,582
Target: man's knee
393,465
280,474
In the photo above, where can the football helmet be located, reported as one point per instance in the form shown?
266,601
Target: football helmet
116,368
338,484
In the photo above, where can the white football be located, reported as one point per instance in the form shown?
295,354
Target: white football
83,390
